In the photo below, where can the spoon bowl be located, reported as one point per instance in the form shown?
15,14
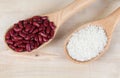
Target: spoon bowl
108,24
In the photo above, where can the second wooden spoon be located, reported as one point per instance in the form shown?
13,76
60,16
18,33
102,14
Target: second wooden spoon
108,24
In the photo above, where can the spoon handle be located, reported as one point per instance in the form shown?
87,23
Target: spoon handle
67,12
111,21
113,17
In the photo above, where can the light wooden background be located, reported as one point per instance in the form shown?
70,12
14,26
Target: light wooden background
50,61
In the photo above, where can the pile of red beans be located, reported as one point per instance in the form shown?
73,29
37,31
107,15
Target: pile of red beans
27,35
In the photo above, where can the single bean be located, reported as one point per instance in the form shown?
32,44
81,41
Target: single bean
28,47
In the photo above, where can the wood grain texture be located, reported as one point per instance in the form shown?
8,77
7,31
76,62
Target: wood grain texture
50,61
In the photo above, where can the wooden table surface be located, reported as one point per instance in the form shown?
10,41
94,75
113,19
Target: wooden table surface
50,61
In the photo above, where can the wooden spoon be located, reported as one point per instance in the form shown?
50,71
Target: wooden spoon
108,24
59,17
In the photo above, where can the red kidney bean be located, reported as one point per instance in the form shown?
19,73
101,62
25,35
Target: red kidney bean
35,31
22,34
40,21
16,34
18,43
32,28
12,32
32,36
20,24
36,38
25,22
7,35
11,46
9,41
32,46
28,47
27,27
32,42
43,34
22,46
52,25
36,24
48,30
45,39
27,37
25,32
46,23
52,33
19,49
40,29
16,28
34,20
29,34
40,39
14,40
25,41
36,45
17,38
30,21
43,28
